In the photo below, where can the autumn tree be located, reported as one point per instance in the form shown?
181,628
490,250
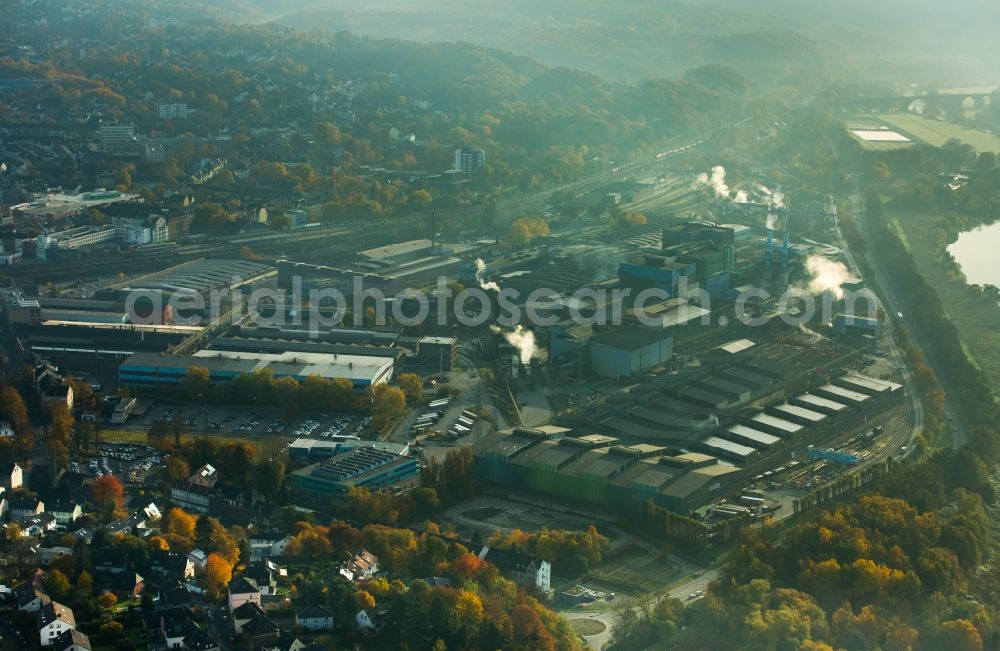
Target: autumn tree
525,229
218,574
84,434
107,601
411,386
84,584
176,469
107,494
388,405
197,383
112,629
178,528
158,435
311,541
421,198
212,537
60,429
14,410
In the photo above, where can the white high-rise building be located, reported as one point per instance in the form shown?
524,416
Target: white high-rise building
174,111
117,138
469,159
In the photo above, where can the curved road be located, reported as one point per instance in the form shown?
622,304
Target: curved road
895,307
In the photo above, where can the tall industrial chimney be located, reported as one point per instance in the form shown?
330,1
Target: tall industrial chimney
784,244
770,241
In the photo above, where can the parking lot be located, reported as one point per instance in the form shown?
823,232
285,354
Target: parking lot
129,461
256,423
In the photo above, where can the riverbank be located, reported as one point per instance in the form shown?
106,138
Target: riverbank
975,316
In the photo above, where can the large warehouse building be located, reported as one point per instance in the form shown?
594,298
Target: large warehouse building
597,472
155,370
626,351
365,467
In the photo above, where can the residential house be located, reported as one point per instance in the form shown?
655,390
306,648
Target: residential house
109,565
71,640
192,497
152,512
51,620
30,597
58,394
268,543
259,633
241,591
24,506
47,553
174,624
65,511
11,476
265,574
175,594
287,642
199,559
364,565
206,476
139,229
37,525
198,639
171,565
314,618
523,570
133,523
244,613
124,585
367,620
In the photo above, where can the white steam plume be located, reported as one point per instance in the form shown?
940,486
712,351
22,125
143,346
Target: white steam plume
522,340
775,198
717,181
771,221
741,197
826,275
480,270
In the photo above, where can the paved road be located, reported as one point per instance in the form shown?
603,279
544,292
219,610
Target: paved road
916,407
894,306
534,407
605,613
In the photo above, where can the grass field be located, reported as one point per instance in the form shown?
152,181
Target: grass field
135,436
977,321
637,571
936,133
587,626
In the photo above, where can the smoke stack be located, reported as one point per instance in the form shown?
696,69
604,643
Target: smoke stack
784,244
770,241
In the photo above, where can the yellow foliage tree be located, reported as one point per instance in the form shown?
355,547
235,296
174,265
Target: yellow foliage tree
218,574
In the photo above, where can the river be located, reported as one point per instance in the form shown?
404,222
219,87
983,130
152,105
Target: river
975,252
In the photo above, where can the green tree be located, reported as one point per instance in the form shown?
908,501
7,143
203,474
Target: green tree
57,584
269,477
